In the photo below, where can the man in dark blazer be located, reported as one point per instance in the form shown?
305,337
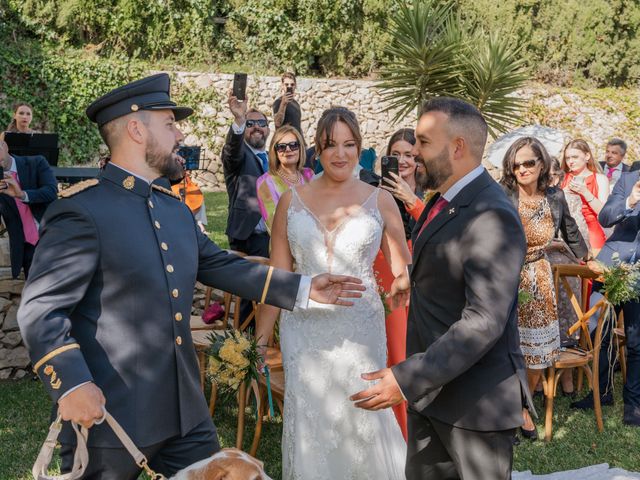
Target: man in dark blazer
613,165
28,188
105,312
244,159
464,376
622,212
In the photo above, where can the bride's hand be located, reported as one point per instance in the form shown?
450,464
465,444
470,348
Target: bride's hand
327,288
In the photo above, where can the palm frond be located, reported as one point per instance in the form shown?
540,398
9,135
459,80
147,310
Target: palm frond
494,70
432,54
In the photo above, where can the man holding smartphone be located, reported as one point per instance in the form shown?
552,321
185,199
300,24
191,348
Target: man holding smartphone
286,109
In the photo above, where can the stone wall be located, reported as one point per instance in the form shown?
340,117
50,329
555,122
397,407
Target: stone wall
14,359
595,115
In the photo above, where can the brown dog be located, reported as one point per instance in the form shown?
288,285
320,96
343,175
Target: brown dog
227,464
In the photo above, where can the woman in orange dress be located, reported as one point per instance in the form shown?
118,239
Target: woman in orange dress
407,193
583,177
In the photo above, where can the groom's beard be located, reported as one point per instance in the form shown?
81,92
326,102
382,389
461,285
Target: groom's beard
438,171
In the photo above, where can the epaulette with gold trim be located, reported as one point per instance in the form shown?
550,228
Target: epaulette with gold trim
78,187
165,190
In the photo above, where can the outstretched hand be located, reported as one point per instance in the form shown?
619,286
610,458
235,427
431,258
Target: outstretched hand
384,394
327,288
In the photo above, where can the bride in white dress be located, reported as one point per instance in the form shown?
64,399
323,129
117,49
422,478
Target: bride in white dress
336,223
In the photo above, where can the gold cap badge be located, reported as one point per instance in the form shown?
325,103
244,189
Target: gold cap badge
134,108
129,182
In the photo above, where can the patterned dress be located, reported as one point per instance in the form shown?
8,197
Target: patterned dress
537,316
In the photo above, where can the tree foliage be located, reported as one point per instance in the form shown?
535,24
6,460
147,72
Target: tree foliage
433,54
568,42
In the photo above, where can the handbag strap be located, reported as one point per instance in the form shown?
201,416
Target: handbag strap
81,454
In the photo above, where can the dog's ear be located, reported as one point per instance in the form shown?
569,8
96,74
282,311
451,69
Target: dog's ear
214,472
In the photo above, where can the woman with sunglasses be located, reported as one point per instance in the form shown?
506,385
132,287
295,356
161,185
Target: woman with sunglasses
583,177
286,170
544,212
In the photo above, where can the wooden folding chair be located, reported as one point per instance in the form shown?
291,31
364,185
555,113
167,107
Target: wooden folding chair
620,339
585,359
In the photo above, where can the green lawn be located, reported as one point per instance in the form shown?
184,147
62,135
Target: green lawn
25,409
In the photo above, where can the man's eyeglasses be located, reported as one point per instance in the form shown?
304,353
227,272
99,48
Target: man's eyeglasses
260,123
528,164
282,147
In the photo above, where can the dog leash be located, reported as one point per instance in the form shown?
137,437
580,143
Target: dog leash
81,454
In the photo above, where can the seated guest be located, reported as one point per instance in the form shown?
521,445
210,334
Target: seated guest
583,177
622,211
28,187
613,164
244,159
559,253
543,212
286,110
286,170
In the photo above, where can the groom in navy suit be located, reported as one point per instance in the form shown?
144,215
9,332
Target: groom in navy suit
464,377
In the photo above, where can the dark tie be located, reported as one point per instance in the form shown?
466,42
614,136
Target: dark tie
265,160
436,209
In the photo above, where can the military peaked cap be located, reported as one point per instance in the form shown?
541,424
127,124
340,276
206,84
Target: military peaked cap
150,93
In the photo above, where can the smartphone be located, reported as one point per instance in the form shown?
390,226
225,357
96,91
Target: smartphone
3,184
289,89
191,157
240,86
389,164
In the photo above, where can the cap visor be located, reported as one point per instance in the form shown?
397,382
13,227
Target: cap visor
180,113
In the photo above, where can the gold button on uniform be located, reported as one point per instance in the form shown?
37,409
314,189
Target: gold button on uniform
179,340
150,204
170,268
178,317
175,293
157,224
164,246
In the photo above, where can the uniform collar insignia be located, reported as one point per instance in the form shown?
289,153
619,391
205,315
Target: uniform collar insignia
125,180
129,182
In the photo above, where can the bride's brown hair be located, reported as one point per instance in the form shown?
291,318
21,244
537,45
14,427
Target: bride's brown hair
328,120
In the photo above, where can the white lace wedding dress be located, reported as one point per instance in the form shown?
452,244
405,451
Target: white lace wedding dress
326,348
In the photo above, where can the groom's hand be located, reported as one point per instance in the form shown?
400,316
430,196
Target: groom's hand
327,288
400,290
384,394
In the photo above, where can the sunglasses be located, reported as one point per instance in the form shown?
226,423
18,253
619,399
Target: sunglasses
282,147
528,164
260,123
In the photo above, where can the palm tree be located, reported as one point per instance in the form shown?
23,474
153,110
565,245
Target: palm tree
433,54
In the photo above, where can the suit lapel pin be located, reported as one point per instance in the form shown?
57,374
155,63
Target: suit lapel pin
452,210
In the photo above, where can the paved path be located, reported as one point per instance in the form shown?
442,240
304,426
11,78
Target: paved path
594,472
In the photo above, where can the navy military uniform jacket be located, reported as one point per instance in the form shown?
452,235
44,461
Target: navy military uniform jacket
109,298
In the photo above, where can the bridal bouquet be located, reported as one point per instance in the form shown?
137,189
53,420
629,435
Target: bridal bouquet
233,359
621,281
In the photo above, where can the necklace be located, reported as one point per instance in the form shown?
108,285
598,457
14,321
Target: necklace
287,178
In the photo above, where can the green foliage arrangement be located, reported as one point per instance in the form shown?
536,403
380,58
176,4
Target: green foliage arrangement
621,282
568,42
334,37
433,53
150,30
